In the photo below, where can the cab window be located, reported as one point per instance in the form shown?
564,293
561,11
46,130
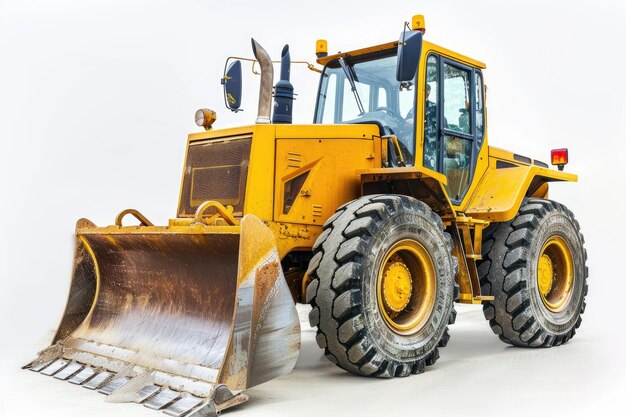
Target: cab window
350,107
328,100
383,99
431,124
480,109
457,148
456,88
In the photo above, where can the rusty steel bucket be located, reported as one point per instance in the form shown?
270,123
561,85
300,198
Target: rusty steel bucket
181,318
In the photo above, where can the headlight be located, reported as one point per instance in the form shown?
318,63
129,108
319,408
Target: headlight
205,118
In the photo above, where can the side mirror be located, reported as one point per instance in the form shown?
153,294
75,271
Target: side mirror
232,86
409,51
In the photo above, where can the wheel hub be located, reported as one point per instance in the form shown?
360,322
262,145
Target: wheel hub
555,274
545,274
397,286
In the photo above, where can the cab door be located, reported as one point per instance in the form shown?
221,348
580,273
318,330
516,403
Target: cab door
453,122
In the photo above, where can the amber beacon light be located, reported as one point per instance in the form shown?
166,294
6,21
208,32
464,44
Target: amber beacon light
559,157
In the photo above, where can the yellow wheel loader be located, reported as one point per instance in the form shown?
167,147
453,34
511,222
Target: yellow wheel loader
381,215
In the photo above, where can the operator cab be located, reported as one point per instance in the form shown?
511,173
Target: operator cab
441,109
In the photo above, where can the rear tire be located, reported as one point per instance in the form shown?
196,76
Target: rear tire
358,244
532,307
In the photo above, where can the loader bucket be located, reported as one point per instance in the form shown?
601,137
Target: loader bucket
180,318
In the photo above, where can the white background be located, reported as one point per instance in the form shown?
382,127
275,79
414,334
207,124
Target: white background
96,99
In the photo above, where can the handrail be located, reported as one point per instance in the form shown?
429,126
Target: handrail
142,219
225,213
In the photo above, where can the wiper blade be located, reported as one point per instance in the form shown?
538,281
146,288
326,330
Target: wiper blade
350,78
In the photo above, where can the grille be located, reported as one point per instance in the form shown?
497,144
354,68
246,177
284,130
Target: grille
215,170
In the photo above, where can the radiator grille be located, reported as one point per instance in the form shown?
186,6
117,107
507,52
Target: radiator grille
215,170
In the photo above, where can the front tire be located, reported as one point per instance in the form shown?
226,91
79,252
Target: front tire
382,286
535,267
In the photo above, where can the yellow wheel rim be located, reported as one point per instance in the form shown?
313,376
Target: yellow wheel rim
555,274
406,287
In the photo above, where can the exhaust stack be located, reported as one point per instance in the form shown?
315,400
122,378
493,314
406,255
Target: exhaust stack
267,78
283,91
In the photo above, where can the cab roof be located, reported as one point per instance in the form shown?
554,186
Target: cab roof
426,46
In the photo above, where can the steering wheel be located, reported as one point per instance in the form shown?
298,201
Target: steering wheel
392,113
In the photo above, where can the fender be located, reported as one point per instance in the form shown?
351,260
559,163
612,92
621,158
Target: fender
507,181
416,181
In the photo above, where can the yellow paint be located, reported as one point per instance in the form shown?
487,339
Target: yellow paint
497,196
545,273
418,22
433,181
406,268
225,213
222,133
332,179
362,51
186,226
258,242
293,237
555,274
404,172
428,47
321,46
396,286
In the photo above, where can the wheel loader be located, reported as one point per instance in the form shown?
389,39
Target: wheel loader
381,215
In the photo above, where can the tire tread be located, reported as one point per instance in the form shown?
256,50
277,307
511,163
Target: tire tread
342,243
502,270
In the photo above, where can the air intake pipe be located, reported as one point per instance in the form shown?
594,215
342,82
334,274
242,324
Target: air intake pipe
267,78
283,91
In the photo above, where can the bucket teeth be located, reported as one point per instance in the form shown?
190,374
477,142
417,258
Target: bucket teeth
69,371
146,392
113,384
98,380
157,397
164,398
54,367
37,367
83,376
181,407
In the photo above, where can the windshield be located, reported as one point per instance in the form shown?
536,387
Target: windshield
385,101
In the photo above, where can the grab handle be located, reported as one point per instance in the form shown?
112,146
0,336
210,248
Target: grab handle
142,219
225,213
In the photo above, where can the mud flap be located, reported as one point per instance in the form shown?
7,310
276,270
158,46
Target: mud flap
181,319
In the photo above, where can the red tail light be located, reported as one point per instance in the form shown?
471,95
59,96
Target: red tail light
559,157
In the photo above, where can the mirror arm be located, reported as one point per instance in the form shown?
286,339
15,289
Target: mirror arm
308,65
255,62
